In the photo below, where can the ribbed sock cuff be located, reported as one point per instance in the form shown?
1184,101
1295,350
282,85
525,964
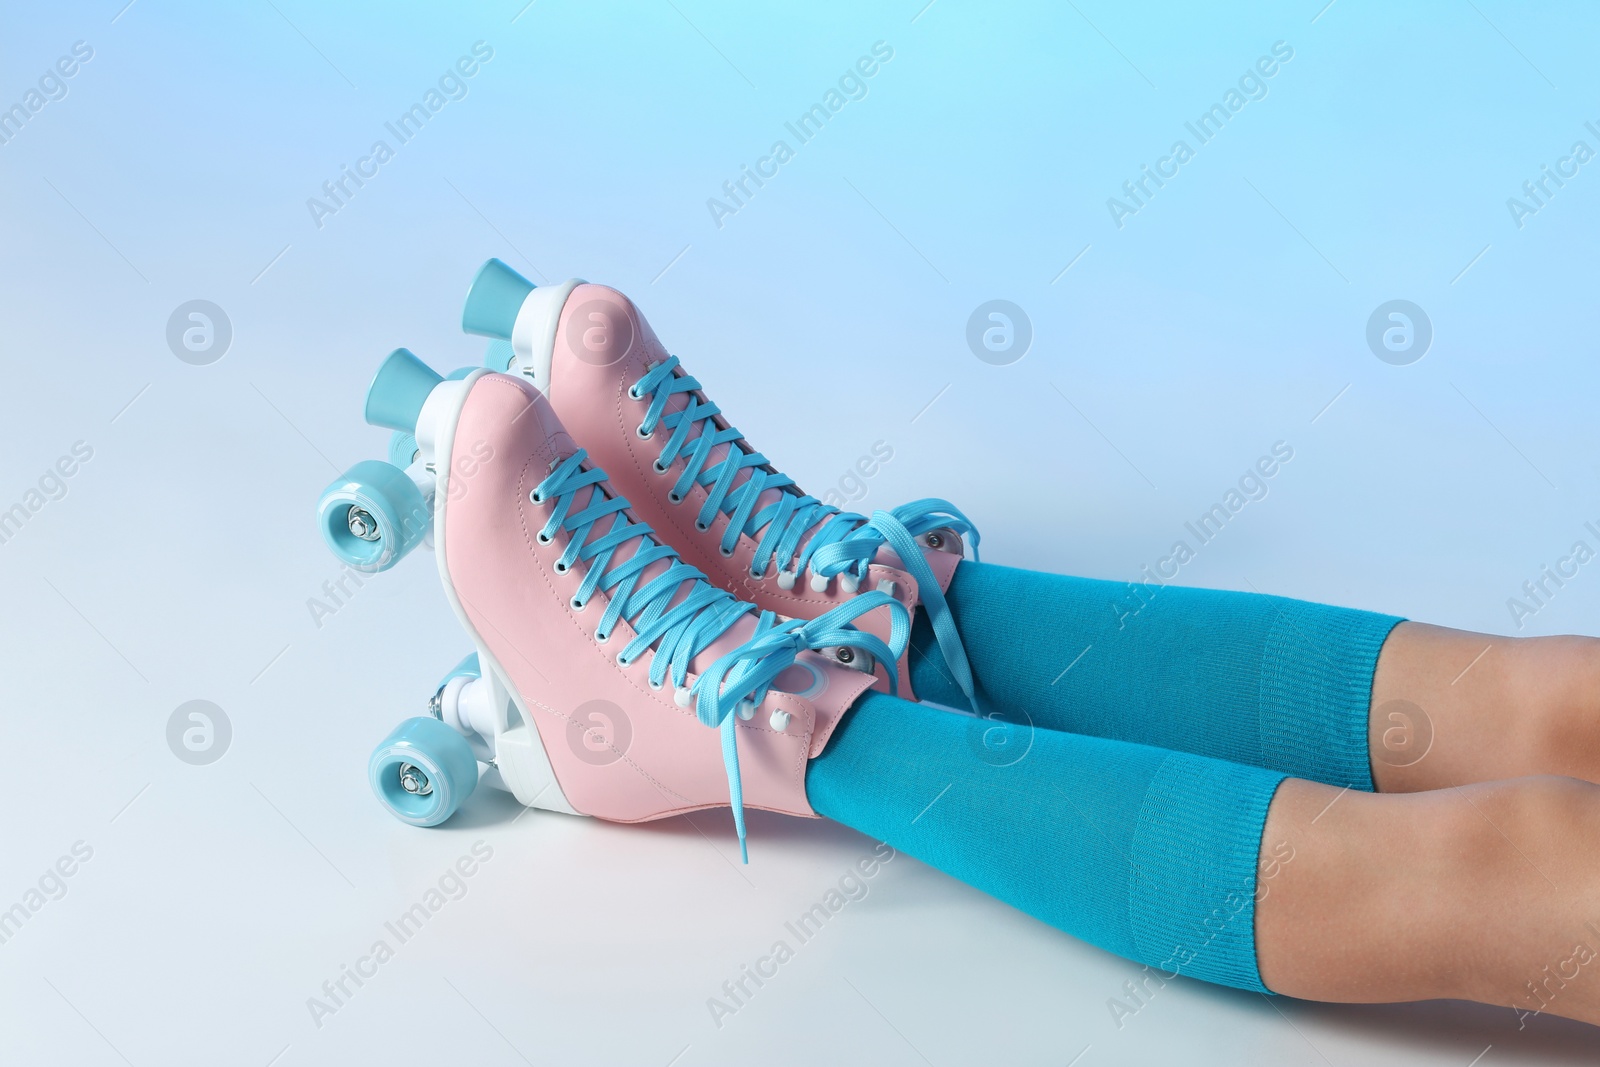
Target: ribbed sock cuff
1194,855
1316,690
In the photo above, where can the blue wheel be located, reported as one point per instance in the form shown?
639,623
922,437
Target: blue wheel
499,355
402,449
468,666
372,515
423,772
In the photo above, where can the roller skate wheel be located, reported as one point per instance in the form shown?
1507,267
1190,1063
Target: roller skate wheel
499,356
467,668
423,772
372,515
402,449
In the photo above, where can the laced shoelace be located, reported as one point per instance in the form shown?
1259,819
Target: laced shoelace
797,532
679,614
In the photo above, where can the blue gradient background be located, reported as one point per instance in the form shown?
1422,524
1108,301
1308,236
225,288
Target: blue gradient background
828,314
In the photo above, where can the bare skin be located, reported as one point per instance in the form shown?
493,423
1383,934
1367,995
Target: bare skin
1474,872
1490,708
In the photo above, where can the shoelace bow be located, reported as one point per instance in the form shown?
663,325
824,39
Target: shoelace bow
681,627
797,532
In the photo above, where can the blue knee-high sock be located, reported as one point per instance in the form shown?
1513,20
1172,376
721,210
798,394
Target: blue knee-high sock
1262,680
1147,853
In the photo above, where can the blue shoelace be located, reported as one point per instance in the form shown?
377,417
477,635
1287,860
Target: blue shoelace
681,614
796,532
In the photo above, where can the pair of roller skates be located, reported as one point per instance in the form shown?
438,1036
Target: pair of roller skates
631,573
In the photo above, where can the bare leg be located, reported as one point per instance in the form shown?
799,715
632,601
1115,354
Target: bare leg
1451,707
1486,892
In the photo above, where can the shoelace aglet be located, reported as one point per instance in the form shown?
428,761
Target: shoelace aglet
730,759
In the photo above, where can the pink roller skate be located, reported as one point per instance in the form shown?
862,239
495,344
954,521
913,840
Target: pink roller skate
694,478
602,657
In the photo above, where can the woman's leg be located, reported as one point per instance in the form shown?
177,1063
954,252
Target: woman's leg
1146,853
1451,707
1330,694
1266,681
1483,892
1239,875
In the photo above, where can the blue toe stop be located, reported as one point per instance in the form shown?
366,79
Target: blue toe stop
493,300
398,391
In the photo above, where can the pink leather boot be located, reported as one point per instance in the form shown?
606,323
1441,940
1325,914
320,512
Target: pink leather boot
696,480
603,657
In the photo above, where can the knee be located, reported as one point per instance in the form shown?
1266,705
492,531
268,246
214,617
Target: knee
1514,820
1558,680
1566,668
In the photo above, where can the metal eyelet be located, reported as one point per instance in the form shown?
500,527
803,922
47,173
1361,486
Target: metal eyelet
639,431
659,469
726,552
633,392
851,658
623,660
701,526
942,539
535,497
577,605
654,684
543,538
602,638
561,568
673,497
